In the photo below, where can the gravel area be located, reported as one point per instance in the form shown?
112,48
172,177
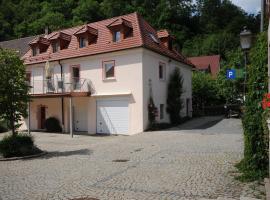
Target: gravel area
188,162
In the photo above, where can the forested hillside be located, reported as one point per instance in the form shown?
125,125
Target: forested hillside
200,27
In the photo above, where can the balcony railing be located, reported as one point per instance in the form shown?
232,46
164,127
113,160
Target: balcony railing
48,86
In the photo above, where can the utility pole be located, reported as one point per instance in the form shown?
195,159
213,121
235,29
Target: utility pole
262,15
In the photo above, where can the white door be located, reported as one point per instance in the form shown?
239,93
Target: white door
80,118
112,116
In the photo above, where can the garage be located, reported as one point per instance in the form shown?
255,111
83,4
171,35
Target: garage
112,116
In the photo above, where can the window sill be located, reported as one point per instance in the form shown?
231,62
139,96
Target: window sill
109,79
162,80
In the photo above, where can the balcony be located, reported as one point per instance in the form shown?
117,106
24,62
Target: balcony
60,87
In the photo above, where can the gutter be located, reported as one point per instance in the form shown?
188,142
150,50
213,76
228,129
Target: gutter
62,98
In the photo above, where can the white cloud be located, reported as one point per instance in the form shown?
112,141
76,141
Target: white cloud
250,6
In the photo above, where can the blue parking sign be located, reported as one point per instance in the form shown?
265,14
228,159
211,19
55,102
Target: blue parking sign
231,74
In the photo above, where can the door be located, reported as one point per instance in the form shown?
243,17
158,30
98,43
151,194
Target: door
80,118
42,117
112,116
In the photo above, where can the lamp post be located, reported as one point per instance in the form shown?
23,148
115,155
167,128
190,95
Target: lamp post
245,41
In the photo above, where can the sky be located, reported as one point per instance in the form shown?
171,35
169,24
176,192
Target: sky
250,6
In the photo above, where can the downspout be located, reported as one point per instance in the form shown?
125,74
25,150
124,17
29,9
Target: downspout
62,98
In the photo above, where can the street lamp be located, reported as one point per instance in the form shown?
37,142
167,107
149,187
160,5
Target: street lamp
245,41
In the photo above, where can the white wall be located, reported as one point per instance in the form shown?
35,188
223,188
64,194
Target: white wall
151,62
128,79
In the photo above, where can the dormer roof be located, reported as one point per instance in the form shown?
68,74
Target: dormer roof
86,29
39,40
60,35
119,22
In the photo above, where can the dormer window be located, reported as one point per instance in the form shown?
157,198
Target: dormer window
55,46
82,42
116,36
120,29
59,41
39,45
86,35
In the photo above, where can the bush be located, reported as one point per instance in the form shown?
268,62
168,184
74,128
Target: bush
255,162
52,124
18,145
3,127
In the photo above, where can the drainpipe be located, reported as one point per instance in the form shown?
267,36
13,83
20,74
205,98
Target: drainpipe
62,98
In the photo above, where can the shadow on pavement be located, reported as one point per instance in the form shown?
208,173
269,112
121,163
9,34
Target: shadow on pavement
199,123
52,154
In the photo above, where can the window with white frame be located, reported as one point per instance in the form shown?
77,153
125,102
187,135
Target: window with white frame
162,71
161,111
108,69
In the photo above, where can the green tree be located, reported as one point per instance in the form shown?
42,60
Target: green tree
175,91
204,91
13,89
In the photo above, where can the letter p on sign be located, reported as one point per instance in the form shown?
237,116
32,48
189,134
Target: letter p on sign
231,74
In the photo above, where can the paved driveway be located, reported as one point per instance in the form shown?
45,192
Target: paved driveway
193,163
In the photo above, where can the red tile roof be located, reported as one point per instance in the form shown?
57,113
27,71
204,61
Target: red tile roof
104,44
163,33
204,62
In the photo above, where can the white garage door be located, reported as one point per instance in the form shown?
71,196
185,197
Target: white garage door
112,116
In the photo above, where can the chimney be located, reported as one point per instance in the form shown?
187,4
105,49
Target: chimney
46,31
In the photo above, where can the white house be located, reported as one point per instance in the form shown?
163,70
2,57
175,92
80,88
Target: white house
97,78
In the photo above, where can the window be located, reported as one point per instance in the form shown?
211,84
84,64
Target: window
28,78
55,46
162,71
82,42
161,111
34,51
76,77
116,36
108,69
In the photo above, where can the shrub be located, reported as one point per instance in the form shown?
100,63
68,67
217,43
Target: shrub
17,145
52,124
255,162
3,127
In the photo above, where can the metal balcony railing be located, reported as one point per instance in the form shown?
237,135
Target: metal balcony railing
59,86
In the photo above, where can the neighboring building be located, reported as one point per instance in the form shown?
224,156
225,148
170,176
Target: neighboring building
208,64
97,78
20,45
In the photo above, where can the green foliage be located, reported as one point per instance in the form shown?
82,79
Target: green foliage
52,125
205,92
13,89
255,162
152,111
17,145
231,90
175,91
3,126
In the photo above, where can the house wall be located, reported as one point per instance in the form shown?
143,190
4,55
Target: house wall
128,80
151,62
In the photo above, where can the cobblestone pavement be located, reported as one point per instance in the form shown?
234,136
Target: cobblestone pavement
172,164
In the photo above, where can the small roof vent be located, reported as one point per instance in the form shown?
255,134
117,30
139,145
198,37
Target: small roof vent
153,37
